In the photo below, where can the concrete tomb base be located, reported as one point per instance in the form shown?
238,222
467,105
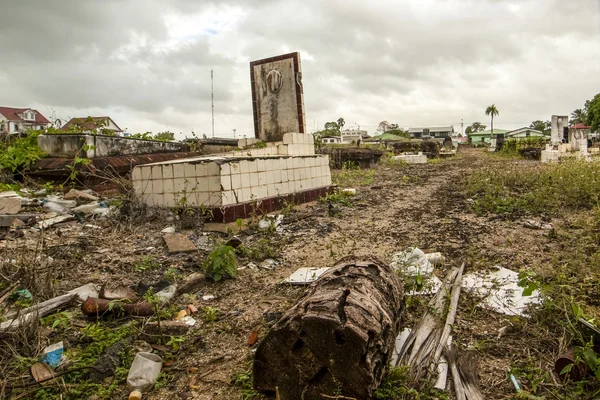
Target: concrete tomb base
412,158
237,184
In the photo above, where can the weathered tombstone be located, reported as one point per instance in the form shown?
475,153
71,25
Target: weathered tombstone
277,97
558,125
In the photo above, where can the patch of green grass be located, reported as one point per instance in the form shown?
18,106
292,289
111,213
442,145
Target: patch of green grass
210,314
244,381
521,189
260,251
396,386
354,177
7,187
147,263
341,198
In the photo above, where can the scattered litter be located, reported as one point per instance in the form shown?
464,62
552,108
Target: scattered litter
349,191
208,297
170,229
515,383
75,194
533,224
435,258
16,223
305,276
58,200
102,251
251,265
10,205
41,192
53,221
500,291
142,374
178,243
181,314
188,320
41,372
89,208
53,354
21,294
85,291
167,293
191,309
269,264
412,262
92,226
120,292
271,222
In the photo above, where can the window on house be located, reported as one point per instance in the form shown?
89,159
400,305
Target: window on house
16,127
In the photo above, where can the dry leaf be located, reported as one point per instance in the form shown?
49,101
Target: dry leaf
168,363
246,318
253,338
161,347
192,383
41,372
192,370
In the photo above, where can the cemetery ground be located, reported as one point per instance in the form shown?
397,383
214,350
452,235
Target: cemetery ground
471,207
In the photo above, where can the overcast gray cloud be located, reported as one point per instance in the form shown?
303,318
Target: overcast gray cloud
147,63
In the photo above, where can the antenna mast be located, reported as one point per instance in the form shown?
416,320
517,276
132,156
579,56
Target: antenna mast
212,101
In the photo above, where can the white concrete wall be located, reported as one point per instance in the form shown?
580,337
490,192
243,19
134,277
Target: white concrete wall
218,181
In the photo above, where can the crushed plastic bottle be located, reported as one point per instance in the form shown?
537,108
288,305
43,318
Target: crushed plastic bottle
61,201
50,206
142,374
167,293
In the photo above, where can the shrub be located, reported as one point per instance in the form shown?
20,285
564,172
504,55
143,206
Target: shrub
221,263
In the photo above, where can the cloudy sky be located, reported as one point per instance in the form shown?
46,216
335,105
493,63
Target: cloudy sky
147,63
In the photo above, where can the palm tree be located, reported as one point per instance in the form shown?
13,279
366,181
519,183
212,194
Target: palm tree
492,111
341,123
578,116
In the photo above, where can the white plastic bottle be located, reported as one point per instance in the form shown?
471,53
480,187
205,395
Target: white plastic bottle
142,374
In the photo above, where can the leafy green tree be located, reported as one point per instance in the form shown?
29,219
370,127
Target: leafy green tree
165,136
578,116
492,111
542,126
592,112
475,127
331,129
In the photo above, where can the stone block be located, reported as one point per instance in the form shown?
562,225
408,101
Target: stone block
213,168
226,182
236,181
146,172
245,178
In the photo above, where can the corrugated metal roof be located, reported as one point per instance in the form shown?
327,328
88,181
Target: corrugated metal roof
433,129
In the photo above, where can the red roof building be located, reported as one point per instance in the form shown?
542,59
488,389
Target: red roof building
581,126
15,120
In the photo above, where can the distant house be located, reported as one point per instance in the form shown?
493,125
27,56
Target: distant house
16,120
353,135
432,132
93,125
522,133
485,136
331,140
384,137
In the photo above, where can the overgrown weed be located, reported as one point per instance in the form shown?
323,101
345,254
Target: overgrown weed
522,188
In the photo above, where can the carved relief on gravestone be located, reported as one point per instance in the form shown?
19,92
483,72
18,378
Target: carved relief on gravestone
277,97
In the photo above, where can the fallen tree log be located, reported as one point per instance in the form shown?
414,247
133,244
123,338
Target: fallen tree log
338,338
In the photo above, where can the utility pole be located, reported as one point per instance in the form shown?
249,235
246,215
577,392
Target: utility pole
212,101
234,133
462,131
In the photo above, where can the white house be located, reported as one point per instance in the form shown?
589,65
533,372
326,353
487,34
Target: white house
15,120
437,132
331,140
522,133
353,135
93,125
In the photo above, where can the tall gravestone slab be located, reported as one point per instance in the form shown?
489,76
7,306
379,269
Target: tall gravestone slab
558,124
277,97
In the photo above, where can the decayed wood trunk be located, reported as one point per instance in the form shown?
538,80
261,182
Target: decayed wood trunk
338,338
